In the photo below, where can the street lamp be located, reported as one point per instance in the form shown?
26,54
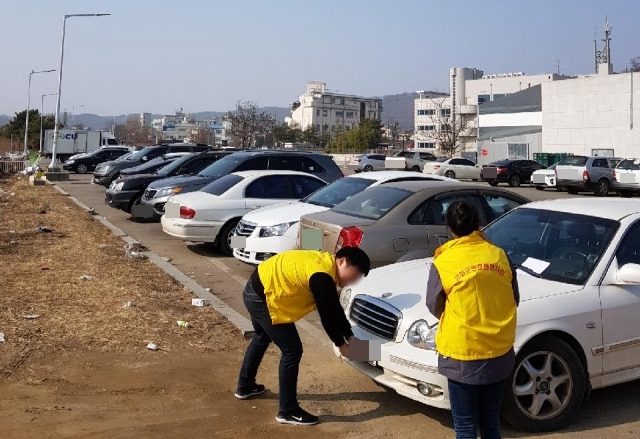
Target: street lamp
73,115
26,125
41,113
53,164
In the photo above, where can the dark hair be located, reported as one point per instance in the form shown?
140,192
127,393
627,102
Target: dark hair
356,257
462,218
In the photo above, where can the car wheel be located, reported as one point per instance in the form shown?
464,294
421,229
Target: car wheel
81,169
572,191
415,168
368,168
546,387
135,202
514,181
625,194
224,237
450,174
540,188
602,188
493,183
561,188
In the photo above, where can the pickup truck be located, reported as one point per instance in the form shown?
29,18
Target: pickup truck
415,160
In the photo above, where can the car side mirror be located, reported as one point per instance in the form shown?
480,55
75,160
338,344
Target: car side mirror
144,158
629,274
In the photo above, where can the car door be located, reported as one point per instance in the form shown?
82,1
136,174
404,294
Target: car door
268,190
470,169
196,165
454,165
97,158
432,215
621,308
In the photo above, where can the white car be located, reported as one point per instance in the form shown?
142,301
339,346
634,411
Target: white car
454,168
212,213
544,178
626,178
274,229
579,275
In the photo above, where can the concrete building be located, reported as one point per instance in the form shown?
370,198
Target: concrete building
326,111
145,119
176,127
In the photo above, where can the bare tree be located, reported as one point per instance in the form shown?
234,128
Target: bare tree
132,133
448,129
634,64
248,122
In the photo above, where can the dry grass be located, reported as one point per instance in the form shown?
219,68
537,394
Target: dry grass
40,274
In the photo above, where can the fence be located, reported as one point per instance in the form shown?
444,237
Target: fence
13,166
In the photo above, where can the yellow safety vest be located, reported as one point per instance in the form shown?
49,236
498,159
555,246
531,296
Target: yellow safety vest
285,278
479,321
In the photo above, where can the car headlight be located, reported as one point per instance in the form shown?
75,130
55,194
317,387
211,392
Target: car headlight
277,230
345,297
118,186
168,191
421,336
70,162
106,168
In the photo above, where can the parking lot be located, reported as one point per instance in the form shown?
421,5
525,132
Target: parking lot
611,412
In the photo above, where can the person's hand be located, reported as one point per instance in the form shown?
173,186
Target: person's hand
344,350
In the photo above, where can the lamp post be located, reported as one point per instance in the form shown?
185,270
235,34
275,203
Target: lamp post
41,113
26,125
53,164
73,115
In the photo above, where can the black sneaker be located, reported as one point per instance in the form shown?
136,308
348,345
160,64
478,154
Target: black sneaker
297,417
255,390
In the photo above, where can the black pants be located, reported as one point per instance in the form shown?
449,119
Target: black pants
285,336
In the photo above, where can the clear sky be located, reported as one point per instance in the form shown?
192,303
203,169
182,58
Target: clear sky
157,55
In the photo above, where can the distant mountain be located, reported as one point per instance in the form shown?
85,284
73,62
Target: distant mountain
4,119
399,108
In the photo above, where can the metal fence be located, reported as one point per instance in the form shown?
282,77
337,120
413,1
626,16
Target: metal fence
13,166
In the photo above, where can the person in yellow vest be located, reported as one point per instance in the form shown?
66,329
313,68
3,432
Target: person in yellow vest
473,290
281,291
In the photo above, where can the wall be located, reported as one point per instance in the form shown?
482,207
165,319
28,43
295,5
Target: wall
592,112
497,149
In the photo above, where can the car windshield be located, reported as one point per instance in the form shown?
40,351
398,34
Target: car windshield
221,166
373,203
124,157
222,184
139,154
574,161
175,164
557,246
338,191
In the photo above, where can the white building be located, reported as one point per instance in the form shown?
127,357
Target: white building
145,119
176,127
326,111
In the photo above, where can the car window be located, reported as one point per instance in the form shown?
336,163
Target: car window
311,166
629,250
455,162
112,142
574,161
500,204
434,210
285,163
613,163
338,191
630,164
222,184
303,185
600,163
427,156
271,186
180,148
253,164
156,152
466,162
373,203
196,165
101,155
571,244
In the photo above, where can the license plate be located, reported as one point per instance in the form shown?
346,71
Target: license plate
490,173
539,179
172,210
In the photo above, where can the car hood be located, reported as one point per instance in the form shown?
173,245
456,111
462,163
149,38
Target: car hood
338,219
403,286
191,180
282,213
119,164
545,172
139,180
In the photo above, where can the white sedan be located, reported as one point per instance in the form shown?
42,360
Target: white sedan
579,275
454,168
212,213
274,229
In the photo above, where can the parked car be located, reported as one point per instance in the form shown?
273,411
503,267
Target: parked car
627,177
544,178
106,172
151,166
212,213
83,163
454,168
274,229
513,172
395,219
586,174
125,194
415,160
578,268
321,165
367,163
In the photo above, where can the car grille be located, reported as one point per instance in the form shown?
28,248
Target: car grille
245,228
150,193
379,318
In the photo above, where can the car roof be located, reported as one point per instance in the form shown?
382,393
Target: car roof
390,175
609,208
430,185
262,172
276,152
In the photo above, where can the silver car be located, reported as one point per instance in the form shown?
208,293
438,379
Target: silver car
367,163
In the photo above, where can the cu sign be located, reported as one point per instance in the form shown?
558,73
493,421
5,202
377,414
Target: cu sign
65,136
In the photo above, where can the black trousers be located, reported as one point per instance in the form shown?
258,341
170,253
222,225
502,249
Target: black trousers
285,336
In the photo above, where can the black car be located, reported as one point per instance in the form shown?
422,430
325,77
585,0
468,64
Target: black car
88,162
107,172
513,172
127,191
151,166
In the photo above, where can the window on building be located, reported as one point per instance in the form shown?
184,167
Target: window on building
349,113
445,128
318,112
324,113
426,128
427,145
339,113
445,112
483,98
338,101
429,112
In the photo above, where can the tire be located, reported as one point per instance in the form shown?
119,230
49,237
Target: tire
493,183
450,174
602,188
368,168
572,191
515,181
415,168
561,188
625,194
81,168
540,188
548,371
224,237
134,202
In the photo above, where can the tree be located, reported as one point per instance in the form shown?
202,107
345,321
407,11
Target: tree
634,64
248,122
366,136
132,133
447,128
16,126
287,134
